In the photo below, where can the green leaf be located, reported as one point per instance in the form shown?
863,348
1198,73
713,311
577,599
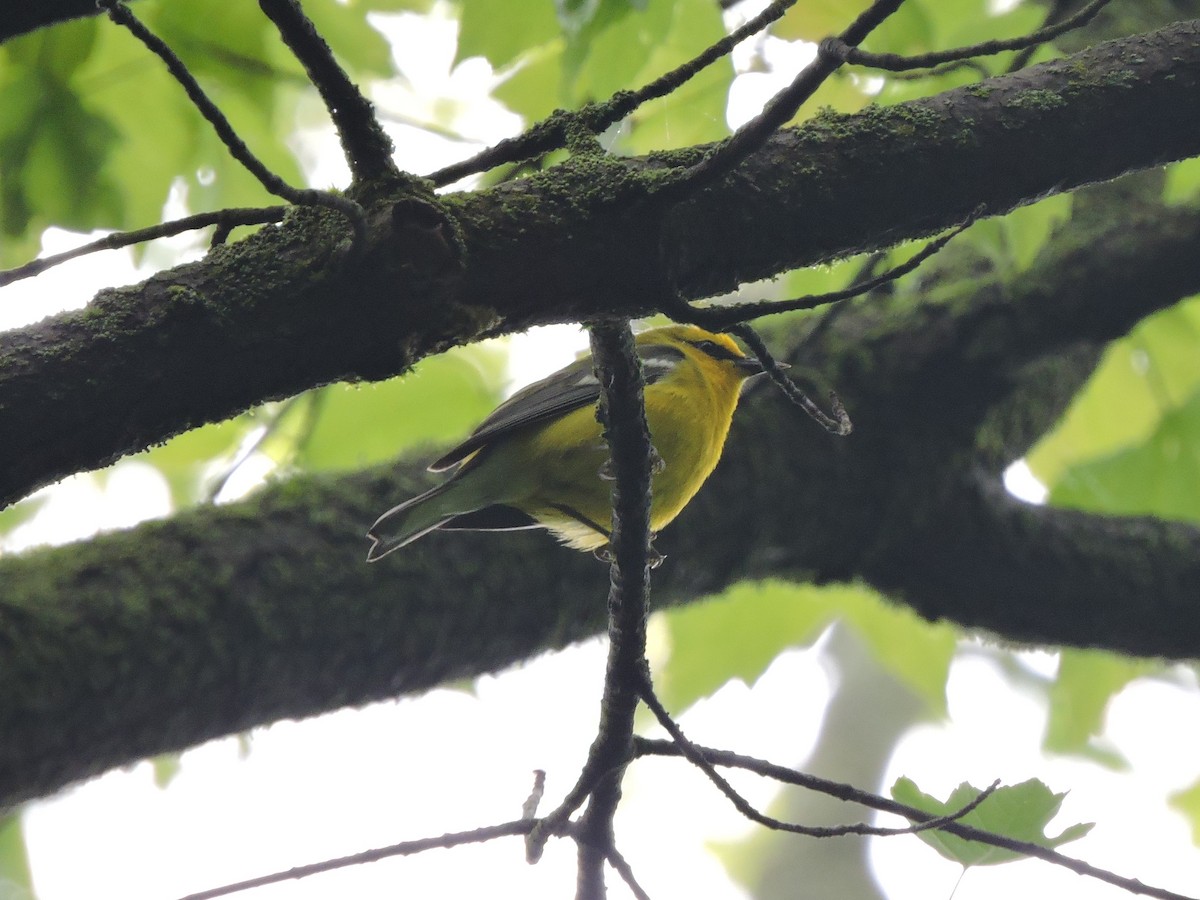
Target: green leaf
735,635
166,767
578,16
1187,802
16,880
532,86
439,401
1182,182
57,146
357,44
56,52
814,20
1027,229
739,634
908,31
1087,680
19,513
62,168
610,52
1141,378
915,652
1012,242
1019,811
1160,477
526,25
73,126
969,22
133,91
217,180
695,113
186,462
395,6
821,279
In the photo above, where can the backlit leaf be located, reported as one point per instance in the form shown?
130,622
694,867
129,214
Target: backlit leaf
1020,811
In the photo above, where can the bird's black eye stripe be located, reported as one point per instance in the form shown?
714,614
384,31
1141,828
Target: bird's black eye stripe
715,350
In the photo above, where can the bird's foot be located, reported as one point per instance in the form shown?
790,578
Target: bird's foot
654,559
658,465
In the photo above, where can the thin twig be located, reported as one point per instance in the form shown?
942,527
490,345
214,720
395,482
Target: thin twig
551,133
407,848
838,423
529,807
945,69
222,218
727,155
622,414
648,747
722,317
367,147
697,757
621,867
1055,14
894,62
121,14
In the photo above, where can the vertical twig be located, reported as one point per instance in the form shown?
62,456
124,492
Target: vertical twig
728,154
367,147
121,14
623,415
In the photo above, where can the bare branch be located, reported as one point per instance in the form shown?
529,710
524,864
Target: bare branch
839,423
729,153
367,147
647,747
529,807
621,867
551,133
622,413
722,317
120,14
977,67
699,758
224,219
406,848
893,62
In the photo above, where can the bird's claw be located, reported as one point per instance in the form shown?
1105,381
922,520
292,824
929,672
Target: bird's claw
658,465
654,559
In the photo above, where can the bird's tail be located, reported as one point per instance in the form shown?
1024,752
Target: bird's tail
410,520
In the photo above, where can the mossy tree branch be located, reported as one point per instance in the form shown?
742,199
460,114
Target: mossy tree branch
222,618
287,310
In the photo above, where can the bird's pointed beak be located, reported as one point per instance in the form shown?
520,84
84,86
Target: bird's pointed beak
752,366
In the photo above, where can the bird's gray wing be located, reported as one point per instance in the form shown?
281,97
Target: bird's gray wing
556,395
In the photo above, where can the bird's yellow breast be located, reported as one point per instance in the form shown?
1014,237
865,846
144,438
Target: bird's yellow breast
688,416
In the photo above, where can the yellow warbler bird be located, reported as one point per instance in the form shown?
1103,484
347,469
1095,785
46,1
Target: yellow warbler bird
539,460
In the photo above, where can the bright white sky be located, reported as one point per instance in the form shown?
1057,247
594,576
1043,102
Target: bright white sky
295,793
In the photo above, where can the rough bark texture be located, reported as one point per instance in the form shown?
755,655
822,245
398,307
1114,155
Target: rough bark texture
158,638
223,618
291,308
21,16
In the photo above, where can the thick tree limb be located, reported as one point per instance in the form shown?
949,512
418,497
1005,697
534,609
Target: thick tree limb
1032,573
222,618
22,16
284,310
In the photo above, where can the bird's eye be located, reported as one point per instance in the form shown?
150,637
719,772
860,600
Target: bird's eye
713,349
